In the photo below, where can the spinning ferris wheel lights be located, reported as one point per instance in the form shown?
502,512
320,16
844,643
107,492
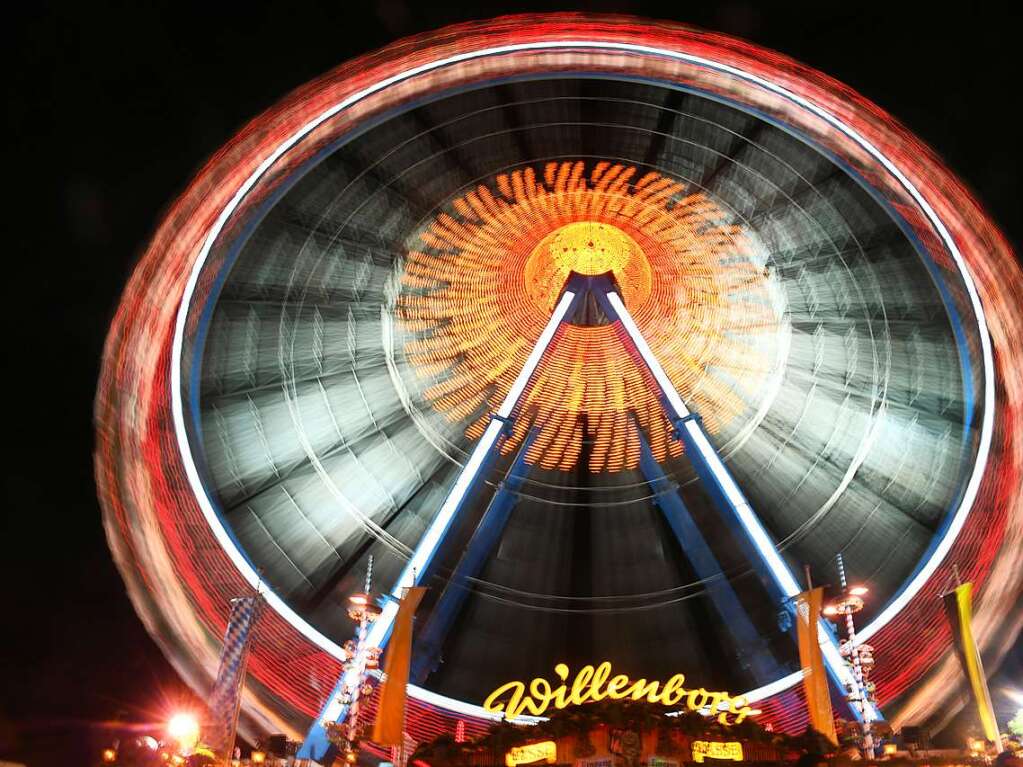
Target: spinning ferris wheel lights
363,276
486,274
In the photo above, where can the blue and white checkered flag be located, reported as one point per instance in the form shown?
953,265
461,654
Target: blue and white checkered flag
225,699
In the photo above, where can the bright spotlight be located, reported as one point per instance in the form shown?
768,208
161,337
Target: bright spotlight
184,728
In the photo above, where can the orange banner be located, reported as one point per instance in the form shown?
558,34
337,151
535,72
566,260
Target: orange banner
390,722
815,679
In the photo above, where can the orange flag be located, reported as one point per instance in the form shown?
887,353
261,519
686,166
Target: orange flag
815,679
390,722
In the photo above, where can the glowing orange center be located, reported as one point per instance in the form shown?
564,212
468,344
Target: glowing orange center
586,247
480,281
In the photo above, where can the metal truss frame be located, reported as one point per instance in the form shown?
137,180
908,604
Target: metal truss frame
688,427
317,745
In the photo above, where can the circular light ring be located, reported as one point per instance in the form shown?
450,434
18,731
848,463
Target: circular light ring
467,339
901,599
179,576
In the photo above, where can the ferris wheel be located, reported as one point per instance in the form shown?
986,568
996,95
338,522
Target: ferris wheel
599,328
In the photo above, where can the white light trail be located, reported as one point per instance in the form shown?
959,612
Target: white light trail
534,357
434,534
744,512
681,411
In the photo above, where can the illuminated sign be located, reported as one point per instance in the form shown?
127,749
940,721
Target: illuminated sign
593,684
545,751
704,749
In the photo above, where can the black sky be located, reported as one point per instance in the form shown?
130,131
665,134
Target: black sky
112,107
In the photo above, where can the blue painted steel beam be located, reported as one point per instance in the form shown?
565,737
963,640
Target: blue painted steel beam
748,641
316,745
485,537
714,490
721,485
715,477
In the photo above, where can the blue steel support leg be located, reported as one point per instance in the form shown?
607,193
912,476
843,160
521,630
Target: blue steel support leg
713,488
689,430
488,532
748,641
718,480
316,745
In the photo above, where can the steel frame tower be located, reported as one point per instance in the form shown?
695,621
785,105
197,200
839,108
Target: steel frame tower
710,469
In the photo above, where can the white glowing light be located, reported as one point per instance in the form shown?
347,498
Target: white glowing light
184,728
434,534
681,411
747,517
534,356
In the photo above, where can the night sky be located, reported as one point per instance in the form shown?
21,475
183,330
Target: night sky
113,107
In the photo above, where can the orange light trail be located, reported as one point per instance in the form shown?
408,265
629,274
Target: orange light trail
487,271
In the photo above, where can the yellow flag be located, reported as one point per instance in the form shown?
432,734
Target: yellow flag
390,722
815,680
959,608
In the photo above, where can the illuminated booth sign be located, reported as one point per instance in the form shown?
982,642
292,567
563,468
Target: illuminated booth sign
703,749
545,751
593,684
